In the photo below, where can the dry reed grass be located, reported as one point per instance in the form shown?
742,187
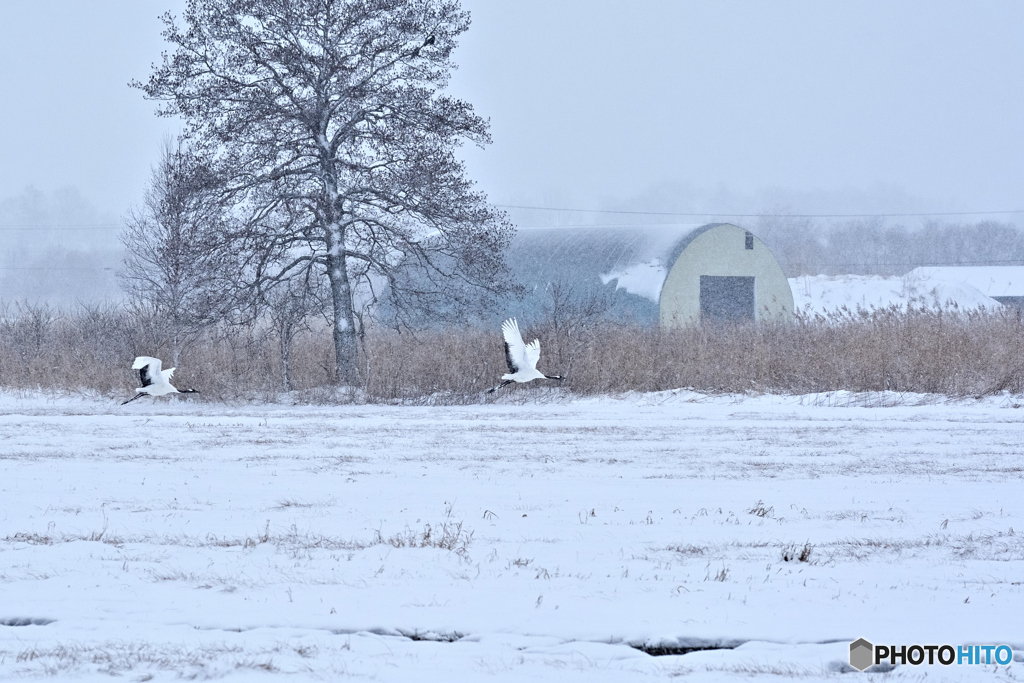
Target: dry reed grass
950,352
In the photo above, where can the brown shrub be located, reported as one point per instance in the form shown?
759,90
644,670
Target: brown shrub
948,352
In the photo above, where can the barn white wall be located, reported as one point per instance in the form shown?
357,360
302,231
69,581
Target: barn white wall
721,251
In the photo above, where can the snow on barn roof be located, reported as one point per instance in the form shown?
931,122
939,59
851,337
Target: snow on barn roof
624,266
993,281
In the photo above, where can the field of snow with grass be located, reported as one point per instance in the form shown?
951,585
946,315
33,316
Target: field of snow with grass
536,537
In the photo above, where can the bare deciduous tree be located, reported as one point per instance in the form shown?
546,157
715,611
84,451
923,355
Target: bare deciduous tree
328,121
289,307
174,269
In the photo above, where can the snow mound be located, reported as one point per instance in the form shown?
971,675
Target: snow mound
989,280
824,294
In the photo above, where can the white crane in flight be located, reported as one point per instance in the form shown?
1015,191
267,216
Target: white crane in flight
521,358
155,382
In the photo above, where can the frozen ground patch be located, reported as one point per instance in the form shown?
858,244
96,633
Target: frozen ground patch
759,535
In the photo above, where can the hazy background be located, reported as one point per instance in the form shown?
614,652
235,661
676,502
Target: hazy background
727,108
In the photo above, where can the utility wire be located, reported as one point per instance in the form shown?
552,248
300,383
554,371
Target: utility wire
765,215
50,268
705,214
1011,262
60,227
1006,262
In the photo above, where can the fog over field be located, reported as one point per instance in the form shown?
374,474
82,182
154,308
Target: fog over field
726,108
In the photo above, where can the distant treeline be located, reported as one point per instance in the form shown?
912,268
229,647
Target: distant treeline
64,276
56,247
877,247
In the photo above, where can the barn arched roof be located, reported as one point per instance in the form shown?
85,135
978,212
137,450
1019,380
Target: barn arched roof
620,268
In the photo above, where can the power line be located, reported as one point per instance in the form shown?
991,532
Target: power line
52,269
1011,262
1005,262
705,214
764,215
607,225
60,227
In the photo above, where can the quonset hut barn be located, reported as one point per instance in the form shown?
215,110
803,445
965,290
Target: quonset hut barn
668,274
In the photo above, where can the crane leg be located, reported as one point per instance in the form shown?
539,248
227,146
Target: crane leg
133,398
503,384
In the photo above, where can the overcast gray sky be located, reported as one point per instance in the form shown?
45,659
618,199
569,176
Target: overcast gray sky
814,106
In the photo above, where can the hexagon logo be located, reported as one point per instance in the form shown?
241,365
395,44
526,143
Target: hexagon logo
862,654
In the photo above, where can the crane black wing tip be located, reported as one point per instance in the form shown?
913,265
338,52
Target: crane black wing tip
503,384
508,360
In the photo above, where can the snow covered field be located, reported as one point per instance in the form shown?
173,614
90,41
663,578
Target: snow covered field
522,540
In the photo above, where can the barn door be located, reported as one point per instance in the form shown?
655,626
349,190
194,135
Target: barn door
726,298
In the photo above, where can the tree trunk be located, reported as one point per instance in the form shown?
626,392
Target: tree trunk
175,344
346,348
284,338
